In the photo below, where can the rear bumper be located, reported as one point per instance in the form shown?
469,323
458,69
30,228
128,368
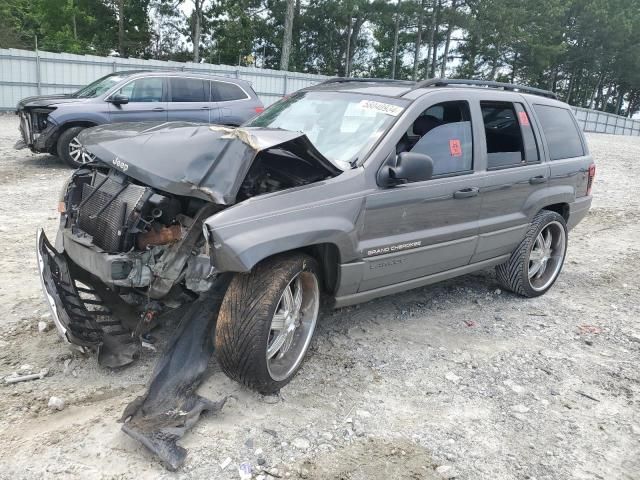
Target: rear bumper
578,210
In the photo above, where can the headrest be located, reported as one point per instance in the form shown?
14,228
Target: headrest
424,124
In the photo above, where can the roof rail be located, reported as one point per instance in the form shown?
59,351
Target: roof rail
359,79
443,82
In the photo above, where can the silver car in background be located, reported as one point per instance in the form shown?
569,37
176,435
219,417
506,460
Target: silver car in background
51,123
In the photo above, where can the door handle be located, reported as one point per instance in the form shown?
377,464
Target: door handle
205,108
467,192
157,109
538,179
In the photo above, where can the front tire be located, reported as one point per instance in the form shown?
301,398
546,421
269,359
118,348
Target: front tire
267,320
535,265
71,150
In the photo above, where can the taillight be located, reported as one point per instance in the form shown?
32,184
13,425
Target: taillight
592,175
259,109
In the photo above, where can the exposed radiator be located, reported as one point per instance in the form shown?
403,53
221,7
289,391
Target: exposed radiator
107,214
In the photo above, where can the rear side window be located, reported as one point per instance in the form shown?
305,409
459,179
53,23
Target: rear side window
225,92
189,90
561,132
510,140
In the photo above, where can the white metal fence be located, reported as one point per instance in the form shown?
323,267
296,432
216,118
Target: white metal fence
601,122
24,73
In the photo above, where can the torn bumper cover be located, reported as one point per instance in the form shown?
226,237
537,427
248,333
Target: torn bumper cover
83,321
56,286
170,406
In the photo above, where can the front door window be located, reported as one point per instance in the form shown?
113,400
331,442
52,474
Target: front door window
443,132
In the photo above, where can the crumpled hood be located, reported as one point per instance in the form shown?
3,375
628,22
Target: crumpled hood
48,101
204,161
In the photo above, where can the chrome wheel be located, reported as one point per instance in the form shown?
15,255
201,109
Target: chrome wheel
547,255
78,153
292,325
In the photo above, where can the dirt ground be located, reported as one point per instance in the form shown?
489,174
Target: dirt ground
457,380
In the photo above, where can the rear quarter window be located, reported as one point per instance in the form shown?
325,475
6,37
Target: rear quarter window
560,131
225,92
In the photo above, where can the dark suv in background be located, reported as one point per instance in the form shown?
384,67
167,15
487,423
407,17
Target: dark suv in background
51,123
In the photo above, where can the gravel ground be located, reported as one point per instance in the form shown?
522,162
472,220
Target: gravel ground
455,380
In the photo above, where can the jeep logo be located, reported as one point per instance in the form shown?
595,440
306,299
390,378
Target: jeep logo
120,164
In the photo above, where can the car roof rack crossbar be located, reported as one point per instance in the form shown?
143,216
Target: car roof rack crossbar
444,82
364,80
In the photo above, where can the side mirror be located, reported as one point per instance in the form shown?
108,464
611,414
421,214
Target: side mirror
119,99
409,167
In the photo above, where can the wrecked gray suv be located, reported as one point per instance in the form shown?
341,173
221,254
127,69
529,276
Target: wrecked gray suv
344,192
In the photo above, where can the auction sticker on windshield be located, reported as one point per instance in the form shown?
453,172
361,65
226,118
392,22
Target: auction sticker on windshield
387,108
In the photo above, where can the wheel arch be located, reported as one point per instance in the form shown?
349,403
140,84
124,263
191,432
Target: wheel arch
326,254
562,209
328,257
77,123
70,124
556,198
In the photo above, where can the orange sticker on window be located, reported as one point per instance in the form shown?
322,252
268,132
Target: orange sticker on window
524,119
455,148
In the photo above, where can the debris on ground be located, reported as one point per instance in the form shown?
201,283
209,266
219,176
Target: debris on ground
244,471
225,463
56,403
25,378
589,329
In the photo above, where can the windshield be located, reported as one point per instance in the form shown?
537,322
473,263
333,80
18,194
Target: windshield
99,86
342,126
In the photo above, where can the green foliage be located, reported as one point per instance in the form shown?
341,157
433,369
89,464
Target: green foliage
588,51
75,26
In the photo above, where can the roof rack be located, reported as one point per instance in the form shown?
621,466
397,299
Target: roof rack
365,80
443,82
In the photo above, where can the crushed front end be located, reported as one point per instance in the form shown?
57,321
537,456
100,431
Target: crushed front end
38,131
133,246
125,253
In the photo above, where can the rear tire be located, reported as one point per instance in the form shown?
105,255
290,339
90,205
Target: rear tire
535,265
70,150
266,321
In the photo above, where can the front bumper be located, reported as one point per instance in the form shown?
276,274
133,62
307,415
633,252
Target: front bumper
116,269
67,309
98,327
38,142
